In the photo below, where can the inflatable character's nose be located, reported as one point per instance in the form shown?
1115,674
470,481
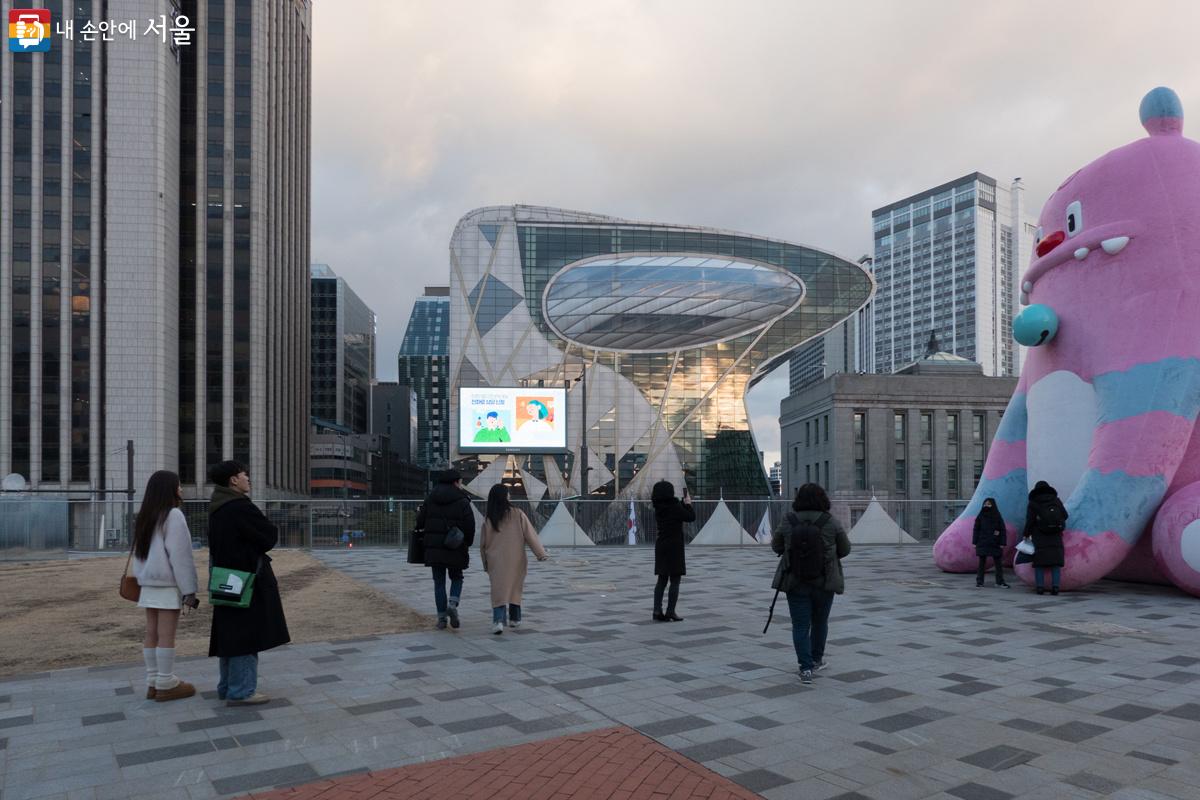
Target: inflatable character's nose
1035,325
1050,242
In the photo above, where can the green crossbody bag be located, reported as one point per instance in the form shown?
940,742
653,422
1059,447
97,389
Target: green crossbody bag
230,587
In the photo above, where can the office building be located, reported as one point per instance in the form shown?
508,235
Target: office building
394,416
664,327
424,365
947,261
154,233
343,352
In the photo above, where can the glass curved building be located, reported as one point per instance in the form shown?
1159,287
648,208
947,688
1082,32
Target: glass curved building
664,327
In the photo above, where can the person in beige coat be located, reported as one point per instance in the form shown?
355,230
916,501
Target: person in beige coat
506,531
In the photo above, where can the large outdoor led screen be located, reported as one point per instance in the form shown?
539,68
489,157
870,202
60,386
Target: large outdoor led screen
512,420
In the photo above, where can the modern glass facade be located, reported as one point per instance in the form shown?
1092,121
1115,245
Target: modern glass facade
343,352
49,378
946,262
424,365
666,326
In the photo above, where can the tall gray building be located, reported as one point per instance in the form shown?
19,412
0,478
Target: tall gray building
343,352
154,218
424,364
946,260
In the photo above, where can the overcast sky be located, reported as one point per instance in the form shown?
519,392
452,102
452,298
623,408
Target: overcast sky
784,119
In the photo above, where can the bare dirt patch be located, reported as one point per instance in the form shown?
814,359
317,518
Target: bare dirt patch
62,614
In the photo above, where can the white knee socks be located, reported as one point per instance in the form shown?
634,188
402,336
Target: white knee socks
151,665
165,662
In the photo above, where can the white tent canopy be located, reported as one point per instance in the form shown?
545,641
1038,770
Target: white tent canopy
723,528
561,530
876,527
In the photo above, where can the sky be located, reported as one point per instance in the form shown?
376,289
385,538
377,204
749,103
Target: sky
791,120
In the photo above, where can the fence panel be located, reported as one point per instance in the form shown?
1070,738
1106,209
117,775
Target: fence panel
50,526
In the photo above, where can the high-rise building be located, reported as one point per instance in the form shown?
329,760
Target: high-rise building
394,417
343,352
154,218
424,364
946,261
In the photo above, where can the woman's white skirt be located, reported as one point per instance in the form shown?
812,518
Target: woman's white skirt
165,597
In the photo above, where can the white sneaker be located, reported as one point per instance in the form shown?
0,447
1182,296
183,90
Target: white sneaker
497,628
514,623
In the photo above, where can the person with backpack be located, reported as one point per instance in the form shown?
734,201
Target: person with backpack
811,544
447,526
989,538
1045,522
669,515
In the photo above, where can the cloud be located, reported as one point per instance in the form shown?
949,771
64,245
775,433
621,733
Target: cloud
782,119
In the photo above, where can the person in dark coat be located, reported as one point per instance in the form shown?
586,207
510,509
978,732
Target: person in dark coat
239,536
1044,523
810,600
669,515
447,507
989,539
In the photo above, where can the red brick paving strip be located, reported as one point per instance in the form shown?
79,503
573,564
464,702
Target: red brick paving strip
617,763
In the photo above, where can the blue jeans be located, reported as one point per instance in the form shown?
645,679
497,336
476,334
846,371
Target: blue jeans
1038,572
810,609
514,613
439,587
239,677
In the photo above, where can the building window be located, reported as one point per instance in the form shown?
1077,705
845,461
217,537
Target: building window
926,427
828,478
796,458
977,428
926,475
807,435
860,427
855,516
978,472
952,478
900,475
827,429
860,473
952,428
926,523
898,419
808,473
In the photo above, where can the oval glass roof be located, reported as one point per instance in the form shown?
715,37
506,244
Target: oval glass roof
665,302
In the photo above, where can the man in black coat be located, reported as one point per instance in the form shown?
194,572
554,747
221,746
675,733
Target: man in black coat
239,536
447,508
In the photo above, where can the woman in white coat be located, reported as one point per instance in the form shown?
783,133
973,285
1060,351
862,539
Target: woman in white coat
506,532
166,573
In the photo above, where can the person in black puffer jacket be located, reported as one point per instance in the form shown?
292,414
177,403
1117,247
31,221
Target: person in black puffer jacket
447,507
669,515
1045,522
239,536
989,538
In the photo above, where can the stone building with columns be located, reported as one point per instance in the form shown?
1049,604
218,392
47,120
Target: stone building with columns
918,438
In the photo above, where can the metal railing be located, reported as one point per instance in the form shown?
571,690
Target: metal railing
44,527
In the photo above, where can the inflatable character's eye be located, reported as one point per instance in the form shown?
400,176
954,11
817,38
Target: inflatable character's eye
1037,236
1074,218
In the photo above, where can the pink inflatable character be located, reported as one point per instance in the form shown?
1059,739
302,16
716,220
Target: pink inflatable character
1106,406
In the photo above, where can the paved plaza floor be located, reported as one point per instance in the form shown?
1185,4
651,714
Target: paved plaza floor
934,689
